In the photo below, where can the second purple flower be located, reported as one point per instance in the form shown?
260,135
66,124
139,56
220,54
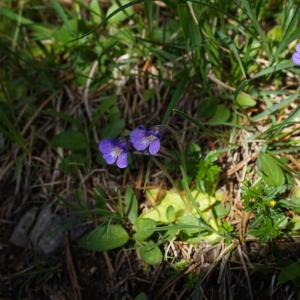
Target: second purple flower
296,56
142,139
114,151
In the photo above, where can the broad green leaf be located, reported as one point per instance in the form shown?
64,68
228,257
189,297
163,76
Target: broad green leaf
144,228
192,221
244,100
105,237
293,204
67,32
289,273
179,201
131,205
141,296
114,127
271,170
220,211
70,140
207,108
221,115
171,214
151,253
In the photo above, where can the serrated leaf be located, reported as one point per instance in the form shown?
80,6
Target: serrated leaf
151,253
244,100
144,228
105,237
70,140
131,206
272,172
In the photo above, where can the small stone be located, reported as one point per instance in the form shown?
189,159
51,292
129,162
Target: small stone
20,235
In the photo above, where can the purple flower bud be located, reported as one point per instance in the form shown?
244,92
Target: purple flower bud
114,150
296,56
142,139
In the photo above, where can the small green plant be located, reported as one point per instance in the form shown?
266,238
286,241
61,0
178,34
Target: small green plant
264,199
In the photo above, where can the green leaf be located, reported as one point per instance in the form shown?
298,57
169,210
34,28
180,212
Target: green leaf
151,253
60,10
171,214
207,108
244,100
141,296
114,127
191,221
222,115
270,110
286,64
8,13
290,272
64,116
66,32
184,16
70,140
124,12
144,228
220,211
149,9
96,11
105,237
272,172
131,205
293,204
71,163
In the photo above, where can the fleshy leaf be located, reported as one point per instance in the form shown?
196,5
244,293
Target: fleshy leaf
105,237
151,253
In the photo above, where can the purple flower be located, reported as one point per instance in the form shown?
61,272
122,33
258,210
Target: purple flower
114,150
142,138
296,56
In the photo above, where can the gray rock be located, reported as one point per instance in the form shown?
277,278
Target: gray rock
21,232
46,230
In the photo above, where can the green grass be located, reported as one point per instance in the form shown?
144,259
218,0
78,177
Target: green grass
216,77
